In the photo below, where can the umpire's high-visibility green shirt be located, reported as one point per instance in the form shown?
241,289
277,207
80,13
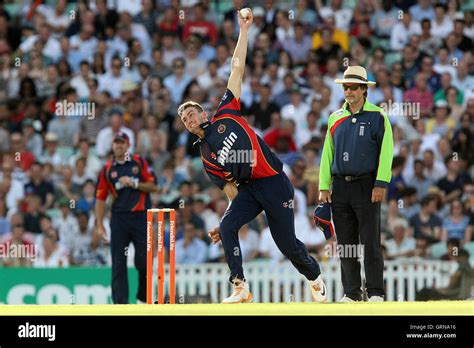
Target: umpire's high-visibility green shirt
357,144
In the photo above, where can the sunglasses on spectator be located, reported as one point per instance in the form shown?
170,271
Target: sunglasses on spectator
178,66
352,87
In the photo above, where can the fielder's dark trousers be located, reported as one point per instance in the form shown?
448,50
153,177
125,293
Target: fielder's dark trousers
127,227
274,195
357,220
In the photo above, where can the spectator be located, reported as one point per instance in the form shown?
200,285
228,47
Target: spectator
420,94
50,154
38,185
51,253
66,223
195,65
33,214
427,224
80,81
190,249
199,26
34,142
338,36
452,184
464,42
81,175
456,224
112,80
440,124
402,245
422,10
443,64
397,183
92,163
402,31
211,219
5,226
441,25
11,189
453,245
24,157
460,283
296,110
384,19
419,180
433,169
264,108
50,47
148,16
66,187
178,81
409,202
17,239
335,10
428,43
249,243
283,131
106,135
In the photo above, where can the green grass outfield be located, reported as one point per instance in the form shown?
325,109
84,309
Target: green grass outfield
361,308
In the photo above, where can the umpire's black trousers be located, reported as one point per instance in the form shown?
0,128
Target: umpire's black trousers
127,227
357,220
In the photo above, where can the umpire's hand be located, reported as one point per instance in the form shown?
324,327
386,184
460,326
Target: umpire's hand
215,235
378,194
325,196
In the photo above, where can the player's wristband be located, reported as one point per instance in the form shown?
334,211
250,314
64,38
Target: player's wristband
135,183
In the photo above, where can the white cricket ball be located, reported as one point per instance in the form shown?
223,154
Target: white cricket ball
244,13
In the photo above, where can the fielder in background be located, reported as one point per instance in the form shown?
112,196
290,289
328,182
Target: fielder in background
357,160
130,180
240,163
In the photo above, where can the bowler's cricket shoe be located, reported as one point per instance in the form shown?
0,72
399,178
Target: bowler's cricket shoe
376,298
318,289
347,299
241,292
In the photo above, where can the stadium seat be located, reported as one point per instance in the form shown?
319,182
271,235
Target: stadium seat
438,250
53,213
391,58
470,249
65,152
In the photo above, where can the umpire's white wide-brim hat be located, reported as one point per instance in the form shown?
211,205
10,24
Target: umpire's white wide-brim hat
355,74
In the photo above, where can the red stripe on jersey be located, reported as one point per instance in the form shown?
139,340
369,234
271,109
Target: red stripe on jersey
337,123
233,105
219,174
210,164
112,189
140,206
262,169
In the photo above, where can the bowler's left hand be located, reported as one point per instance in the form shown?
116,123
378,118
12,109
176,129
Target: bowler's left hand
378,194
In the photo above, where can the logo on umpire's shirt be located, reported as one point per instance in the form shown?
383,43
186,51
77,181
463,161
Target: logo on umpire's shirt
221,128
113,174
135,170
213,155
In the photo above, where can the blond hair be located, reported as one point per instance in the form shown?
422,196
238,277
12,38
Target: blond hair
189,104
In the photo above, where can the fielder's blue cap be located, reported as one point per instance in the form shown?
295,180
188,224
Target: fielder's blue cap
121,136
322,219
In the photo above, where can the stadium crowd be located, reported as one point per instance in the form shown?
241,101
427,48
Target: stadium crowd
73,74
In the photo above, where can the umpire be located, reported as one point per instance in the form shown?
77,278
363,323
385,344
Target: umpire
356,160
129,179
